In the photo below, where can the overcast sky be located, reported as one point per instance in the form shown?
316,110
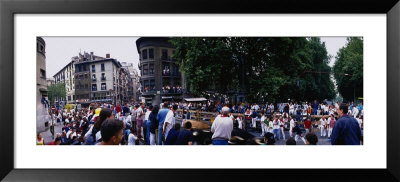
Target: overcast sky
59,50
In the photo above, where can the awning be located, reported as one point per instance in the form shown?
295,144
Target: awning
196,99
166,97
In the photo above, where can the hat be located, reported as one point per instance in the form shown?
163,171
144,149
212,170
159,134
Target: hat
97,112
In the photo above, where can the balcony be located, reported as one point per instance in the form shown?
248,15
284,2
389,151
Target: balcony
94,79
103,79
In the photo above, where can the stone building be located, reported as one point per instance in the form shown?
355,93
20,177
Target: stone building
160,77
42,115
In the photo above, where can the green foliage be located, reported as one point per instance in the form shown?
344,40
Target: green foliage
348,69
274,69
56,91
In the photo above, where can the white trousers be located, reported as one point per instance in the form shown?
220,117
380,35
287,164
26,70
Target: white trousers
263,129
152,139
253,122
330,131
323,131
291,131
283,133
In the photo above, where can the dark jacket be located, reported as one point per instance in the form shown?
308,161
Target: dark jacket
346,132
153,122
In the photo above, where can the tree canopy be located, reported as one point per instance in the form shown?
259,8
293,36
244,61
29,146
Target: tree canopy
348,69
271,69
56,91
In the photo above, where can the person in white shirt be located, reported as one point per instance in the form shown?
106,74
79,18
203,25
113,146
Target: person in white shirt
323,126
291,126
240,122
360,121
263,124
326,109
331,124
291,109
355,111
132,137
282,127
169,120
139,119
147,124
222,128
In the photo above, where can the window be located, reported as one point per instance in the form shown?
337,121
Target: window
103,86
144,54
69,98
86,86
152,85
146,85
94,87
84,67
93,68
103,76
151,53
151,69
145,69
42,73
166,70
94,77
102,67
86,76
164,55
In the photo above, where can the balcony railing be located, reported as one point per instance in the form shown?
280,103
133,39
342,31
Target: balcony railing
93,79
103,79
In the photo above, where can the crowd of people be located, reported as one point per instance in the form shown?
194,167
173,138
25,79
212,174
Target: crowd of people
137,124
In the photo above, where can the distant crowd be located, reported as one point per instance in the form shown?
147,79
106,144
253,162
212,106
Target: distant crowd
137,124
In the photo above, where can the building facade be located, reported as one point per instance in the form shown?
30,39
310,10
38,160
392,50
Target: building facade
104,85
160,78
42,115
66,77
89,78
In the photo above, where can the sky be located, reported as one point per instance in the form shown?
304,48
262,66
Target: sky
60,50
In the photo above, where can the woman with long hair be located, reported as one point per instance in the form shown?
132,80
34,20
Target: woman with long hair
93,135
153,124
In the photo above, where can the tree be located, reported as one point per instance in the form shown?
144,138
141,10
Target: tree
348,69
56,91
262,67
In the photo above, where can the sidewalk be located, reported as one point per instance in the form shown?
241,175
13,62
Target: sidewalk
47,134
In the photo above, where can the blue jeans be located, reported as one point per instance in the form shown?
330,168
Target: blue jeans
220,142
160,137
277,133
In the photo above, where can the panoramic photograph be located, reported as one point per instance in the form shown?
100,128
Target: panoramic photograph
199,91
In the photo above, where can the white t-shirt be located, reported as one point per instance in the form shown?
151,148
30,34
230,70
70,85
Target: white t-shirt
323,122
139,113
291,123
170,119
276,124
326,108
222,127
132,139
146,117
262,120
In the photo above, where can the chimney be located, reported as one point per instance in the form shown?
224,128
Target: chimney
107,55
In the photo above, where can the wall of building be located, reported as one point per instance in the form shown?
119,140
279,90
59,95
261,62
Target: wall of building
42,116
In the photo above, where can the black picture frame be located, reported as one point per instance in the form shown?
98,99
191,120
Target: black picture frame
9,8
